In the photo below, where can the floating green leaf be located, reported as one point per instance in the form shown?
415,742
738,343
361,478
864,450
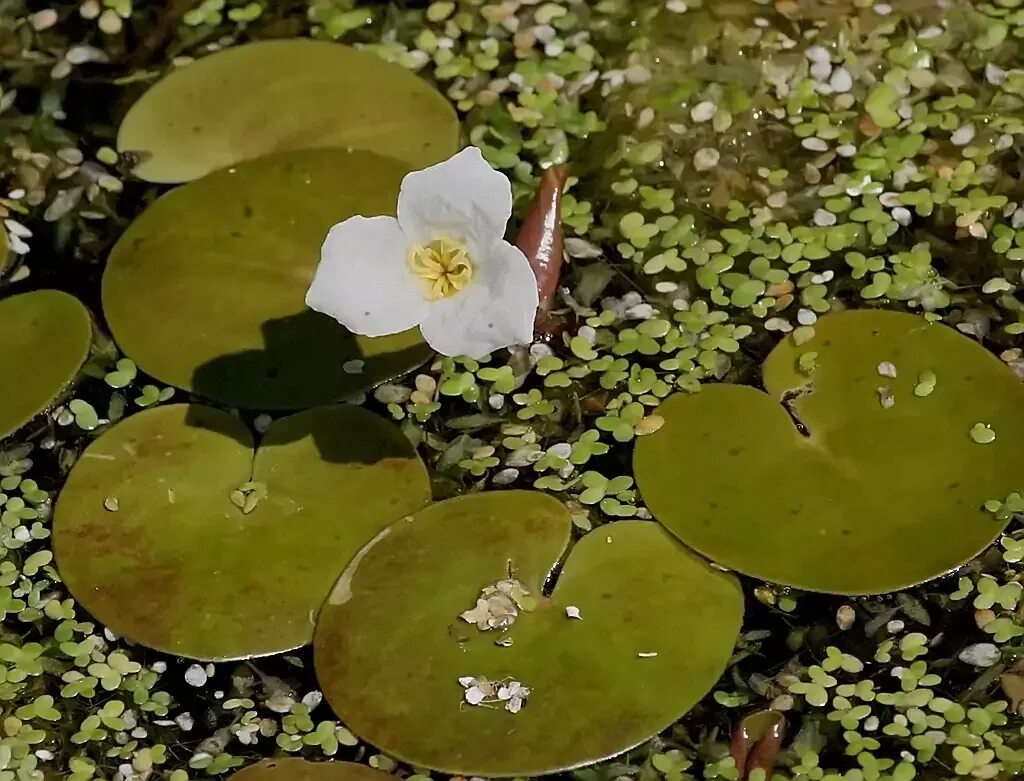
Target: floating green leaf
46,335
174,564
206,289
274,96
293,769
880,104
634,633
850,495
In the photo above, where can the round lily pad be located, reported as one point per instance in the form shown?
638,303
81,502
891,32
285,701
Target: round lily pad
633,632
293,769
206,289
272,96
173,534
856,472
46,336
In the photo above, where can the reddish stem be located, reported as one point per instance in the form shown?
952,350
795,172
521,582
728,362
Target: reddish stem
542,241
756,742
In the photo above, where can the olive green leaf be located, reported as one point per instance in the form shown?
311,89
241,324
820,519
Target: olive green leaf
275,96
480,682
46,335
149,537
206,289
844,494
293,769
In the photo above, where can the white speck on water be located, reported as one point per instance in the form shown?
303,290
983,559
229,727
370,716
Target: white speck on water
902,215
571,611
980,655
703,111
560,450
647,654
994,74
820,71
313,699
887,369
841,80
506,476
705,159
778,324
817,54
806,317
963,135
824,218
196,675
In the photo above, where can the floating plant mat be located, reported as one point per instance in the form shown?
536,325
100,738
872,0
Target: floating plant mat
248,101
206,289
172,534
655,630
293,769
884,486
46,336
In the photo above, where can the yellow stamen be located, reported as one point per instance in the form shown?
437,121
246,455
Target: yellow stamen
444,266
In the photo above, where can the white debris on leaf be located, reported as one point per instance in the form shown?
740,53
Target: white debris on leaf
887,369
885,397
513,694
507,692
498,605
571,611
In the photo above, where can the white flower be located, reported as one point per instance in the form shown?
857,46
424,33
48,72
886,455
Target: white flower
443,264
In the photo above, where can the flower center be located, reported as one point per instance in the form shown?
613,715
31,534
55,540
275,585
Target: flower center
444,265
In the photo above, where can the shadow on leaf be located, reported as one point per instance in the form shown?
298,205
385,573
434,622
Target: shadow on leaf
303,365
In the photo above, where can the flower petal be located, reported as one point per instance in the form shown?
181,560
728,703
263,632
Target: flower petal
495,310
363,280
463,197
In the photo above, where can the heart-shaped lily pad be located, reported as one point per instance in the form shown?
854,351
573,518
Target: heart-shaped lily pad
46,336
876,483
172,534
206,290
273,96
636,631
293,769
